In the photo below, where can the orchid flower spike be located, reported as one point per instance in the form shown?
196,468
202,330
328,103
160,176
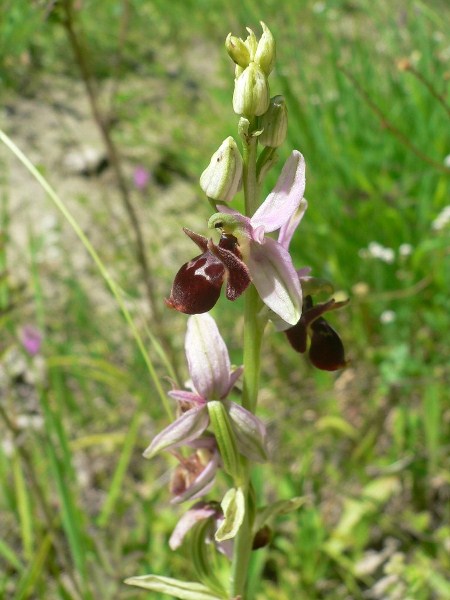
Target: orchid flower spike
212,380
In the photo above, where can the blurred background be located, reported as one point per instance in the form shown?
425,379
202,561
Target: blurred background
120,104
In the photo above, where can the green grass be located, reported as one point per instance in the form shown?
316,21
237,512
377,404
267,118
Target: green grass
80,509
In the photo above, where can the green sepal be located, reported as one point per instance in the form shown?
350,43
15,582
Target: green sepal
226,440
233,506
185,590
282,507
204,557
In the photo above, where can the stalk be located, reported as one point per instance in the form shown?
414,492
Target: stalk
253,333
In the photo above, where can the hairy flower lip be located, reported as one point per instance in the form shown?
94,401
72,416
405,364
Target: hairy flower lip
326,350
198,283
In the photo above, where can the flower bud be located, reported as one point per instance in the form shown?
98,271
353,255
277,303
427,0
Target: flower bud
251,92
237,50
252,43
222,178
274,123
265,51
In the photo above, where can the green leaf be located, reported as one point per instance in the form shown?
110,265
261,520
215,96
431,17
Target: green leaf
185,590
204,557
233,506
335,423
282,507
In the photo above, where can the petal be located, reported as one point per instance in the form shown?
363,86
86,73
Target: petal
197,285
234,376
207,357
189,398
250,432
297,336
285,198
199,512
198,239
327,350
276,280
202,484
288,229
186,428
238,276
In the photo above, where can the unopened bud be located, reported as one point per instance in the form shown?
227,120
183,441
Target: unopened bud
251,92
274,123
265,52
252,43
237,50
222,178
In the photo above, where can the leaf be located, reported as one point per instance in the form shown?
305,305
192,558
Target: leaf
282,507
233,506
336,423
203,557
185,590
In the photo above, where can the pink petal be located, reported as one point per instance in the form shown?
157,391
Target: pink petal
288,229
234,376
202,484
276,280
250,432
200,512
207,357
284,199
187,397
186,428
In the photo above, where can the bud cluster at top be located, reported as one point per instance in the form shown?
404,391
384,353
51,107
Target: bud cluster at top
254,62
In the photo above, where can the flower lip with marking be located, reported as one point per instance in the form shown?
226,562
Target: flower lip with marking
197,285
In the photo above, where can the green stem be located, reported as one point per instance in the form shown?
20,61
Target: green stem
249,174
242,548
253,333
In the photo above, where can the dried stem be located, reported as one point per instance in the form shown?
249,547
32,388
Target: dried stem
407,66
68,21
389,126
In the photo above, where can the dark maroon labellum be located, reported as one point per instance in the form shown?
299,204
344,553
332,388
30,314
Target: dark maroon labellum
197,284
262,538
326,350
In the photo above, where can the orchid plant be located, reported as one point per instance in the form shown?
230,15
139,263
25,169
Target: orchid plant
213,432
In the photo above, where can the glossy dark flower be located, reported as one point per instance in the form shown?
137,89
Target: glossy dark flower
326,350
198,283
